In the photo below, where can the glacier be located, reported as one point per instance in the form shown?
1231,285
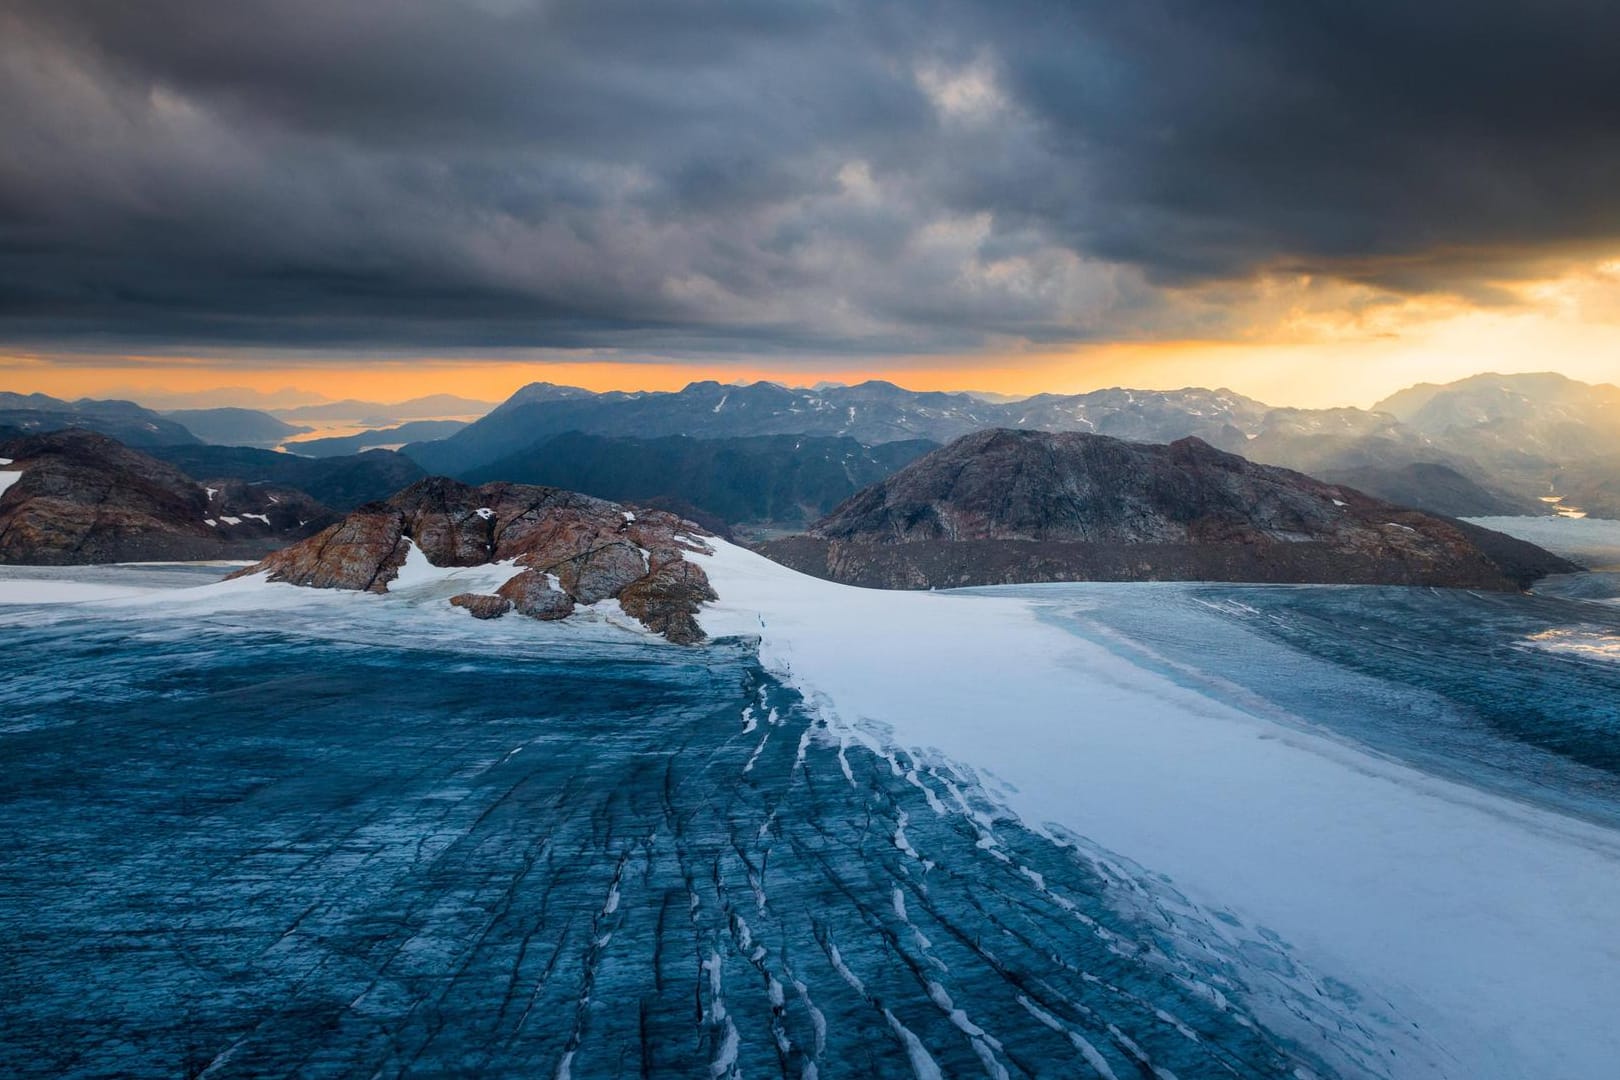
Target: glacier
1114,830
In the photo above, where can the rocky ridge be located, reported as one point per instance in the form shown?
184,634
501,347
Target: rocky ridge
1004,506
79,497
568,550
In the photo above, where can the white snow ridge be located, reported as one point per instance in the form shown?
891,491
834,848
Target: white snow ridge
1490,925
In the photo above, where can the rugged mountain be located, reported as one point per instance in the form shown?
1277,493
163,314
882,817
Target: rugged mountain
568,550
390,437
873,413
1385,460
1542,413
1313,440
778,480
1219,417
235,427
342,483
80,497
1523,428
1427,485
1509,435
122,420
421,408
1534,434
1002,506
870,413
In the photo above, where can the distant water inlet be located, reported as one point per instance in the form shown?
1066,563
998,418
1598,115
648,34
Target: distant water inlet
240,851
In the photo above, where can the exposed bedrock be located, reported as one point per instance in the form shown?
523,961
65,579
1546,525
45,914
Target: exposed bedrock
569,550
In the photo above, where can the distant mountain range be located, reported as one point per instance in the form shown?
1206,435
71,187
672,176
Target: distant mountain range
122,420
135,425
787,480
776,457
387,413
1488,445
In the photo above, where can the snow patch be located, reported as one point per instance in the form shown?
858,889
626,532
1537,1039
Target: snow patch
8,478
32,591
418,575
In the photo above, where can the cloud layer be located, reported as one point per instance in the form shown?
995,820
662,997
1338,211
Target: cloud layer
777,177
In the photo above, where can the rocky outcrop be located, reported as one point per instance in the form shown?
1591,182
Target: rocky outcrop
85,498
481,605
573,550
539,595
1008,506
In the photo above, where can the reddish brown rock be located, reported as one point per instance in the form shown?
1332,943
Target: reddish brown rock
482,605
601,571
576,550
668,600
84,498
364,551
533,594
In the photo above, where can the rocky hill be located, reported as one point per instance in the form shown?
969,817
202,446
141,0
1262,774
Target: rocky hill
342,483
872,412
1004,506
568,550
235,427
129,423
77,497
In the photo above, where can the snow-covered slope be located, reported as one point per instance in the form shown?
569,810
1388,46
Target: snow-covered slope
1488,927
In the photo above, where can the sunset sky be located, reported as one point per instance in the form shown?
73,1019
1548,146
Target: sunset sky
1310,204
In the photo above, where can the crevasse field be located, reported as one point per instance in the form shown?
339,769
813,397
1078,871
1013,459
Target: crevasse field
1064,830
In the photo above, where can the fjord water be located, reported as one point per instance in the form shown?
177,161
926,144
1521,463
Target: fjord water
353,837
327,843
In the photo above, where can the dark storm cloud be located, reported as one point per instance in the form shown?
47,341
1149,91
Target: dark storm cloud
772,176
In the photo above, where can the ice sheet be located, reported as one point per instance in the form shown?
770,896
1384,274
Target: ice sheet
1491,923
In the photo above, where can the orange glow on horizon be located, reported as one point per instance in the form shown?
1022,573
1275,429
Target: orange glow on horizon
1306,375
1299,344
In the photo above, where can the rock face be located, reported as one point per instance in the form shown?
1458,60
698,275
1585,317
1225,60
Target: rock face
574,550
84,498
482,606
1006,506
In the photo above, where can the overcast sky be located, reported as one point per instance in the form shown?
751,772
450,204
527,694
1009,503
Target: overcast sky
328,185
